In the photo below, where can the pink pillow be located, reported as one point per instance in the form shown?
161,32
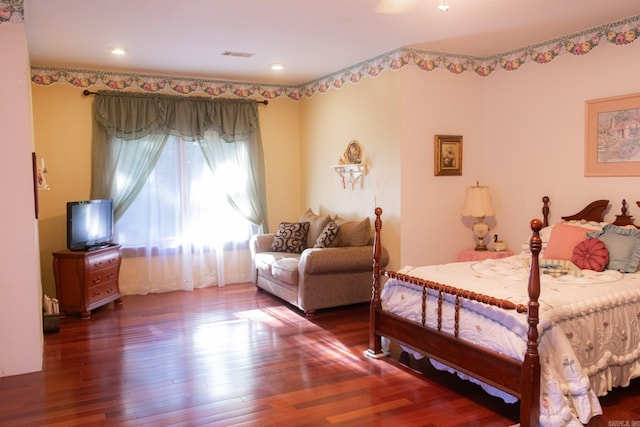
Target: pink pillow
562,241
591,254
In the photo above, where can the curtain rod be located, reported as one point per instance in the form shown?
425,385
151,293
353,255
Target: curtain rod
87,92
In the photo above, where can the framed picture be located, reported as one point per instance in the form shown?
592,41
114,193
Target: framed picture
447,155
353,153
612,134
34,171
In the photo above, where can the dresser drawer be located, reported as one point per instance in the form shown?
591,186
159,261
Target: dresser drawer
99,261
102,292
100,277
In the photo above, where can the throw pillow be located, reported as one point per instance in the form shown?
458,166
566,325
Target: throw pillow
591,254
316,225
562,241
328,236
290,237
353,233
623,245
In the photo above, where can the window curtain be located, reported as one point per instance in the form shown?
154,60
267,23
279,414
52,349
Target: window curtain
130,134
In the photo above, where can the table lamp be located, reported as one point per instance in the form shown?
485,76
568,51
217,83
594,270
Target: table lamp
477,204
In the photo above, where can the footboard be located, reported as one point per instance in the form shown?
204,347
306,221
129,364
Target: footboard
520,379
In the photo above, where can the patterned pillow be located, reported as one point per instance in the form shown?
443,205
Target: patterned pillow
328,236
290,237
591,254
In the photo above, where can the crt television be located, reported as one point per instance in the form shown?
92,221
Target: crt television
89,224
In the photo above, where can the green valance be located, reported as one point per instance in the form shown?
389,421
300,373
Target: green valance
132,116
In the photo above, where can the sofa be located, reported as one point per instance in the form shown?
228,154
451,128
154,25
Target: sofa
317,262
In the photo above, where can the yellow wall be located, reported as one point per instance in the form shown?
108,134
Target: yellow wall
62,129
279,123
62,124
370,113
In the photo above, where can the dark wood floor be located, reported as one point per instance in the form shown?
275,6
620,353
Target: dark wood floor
236,356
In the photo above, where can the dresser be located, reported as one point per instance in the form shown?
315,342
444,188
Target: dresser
86,280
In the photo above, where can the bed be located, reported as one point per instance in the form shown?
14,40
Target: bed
539,329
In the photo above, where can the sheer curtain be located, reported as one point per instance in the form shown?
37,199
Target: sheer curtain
187,179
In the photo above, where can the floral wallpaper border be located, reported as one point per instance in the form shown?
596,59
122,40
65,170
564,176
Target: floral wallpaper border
12,11
618,33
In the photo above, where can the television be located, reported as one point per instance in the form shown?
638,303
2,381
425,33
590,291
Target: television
89,224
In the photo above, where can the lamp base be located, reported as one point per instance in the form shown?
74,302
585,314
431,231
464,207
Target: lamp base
480,230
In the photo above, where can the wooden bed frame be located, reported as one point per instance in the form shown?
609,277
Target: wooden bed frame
520,379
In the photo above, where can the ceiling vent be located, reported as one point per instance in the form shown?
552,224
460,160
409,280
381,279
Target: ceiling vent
238,54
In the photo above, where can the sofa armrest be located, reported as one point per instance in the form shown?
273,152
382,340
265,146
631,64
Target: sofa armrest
261,242
339,259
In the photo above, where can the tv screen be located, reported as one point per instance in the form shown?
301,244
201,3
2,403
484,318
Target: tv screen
89,224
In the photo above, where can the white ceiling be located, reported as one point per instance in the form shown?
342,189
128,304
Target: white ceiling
314,38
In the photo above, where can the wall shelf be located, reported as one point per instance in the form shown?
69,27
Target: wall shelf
351,173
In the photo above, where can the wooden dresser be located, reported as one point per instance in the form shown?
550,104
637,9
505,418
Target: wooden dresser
86,280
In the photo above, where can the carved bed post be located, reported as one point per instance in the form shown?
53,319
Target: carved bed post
530,392
545,211
375,345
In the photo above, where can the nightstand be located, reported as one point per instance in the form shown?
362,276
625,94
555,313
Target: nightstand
470,254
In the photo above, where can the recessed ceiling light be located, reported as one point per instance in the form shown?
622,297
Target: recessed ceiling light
444,5
277,66
118,50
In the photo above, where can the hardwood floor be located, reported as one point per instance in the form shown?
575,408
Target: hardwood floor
237,356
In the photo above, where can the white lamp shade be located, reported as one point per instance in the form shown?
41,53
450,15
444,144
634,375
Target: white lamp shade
478,202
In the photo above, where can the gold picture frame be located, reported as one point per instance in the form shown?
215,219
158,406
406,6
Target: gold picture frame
447,155
353,153
612,136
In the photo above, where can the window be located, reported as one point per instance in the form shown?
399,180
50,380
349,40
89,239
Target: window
182,204
182,226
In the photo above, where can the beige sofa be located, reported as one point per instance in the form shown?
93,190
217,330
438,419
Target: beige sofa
336,272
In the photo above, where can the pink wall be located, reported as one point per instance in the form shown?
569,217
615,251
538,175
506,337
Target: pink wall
20,294
523,135
535,136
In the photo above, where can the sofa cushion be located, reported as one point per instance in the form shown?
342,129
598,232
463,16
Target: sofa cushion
286,270
264,260
316,225
328,237
353,233
290,237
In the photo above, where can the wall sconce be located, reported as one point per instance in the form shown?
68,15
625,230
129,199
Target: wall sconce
478,204
351,173
42,177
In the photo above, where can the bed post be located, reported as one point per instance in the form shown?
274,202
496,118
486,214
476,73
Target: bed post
530,391
375,345
545,211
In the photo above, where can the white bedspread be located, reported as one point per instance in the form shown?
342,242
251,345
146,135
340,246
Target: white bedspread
589,327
